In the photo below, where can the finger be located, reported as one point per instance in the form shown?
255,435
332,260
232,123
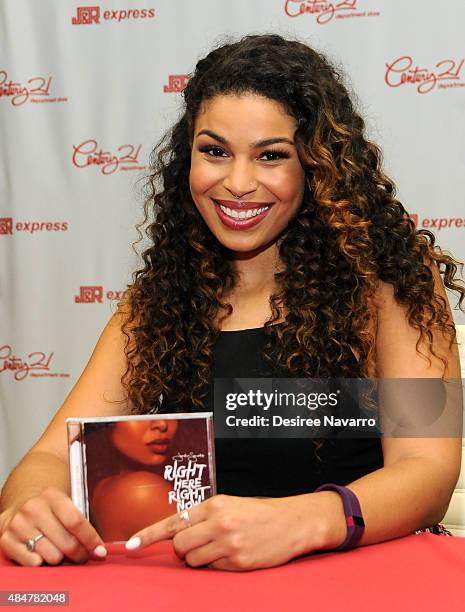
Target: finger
233,563
63,540
190,539
165,529
77,525
162,530
205,555
50,553
66,513
10,546
22,529
227,564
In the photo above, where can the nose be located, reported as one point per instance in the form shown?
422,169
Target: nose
161,424
240,179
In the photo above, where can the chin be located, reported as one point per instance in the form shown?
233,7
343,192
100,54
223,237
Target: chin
242,244
242,248
153,461
159,459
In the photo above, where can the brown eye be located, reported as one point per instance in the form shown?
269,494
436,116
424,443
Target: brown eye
274,155
211,150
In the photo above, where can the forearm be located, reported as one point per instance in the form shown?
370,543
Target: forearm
395,500
36,472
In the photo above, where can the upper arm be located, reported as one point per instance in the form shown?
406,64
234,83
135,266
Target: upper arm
99,382
397,358
396,353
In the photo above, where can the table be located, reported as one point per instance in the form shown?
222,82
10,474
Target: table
419,571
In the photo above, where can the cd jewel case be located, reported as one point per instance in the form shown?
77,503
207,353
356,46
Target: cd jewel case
131,471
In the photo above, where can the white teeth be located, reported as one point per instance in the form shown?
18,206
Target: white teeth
234,214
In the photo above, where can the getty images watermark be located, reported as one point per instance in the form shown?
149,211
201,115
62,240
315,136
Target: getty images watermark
338,407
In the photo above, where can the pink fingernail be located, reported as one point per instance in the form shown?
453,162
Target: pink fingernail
133,543
100,551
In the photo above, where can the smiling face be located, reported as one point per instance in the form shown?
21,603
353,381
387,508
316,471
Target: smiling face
244,146
144,441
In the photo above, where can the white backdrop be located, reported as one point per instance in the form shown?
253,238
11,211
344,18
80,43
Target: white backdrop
85,92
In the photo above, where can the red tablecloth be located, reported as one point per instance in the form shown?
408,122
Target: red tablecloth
422,571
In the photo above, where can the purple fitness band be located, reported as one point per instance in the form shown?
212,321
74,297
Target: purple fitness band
353,514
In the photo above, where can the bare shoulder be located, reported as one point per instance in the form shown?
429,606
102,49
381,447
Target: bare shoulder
140,499
134,479
396,339
97,392
133,490
121,483
397,357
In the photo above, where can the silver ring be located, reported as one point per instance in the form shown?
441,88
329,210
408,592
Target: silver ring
184,516
31,543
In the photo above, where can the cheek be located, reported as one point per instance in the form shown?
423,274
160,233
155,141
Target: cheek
194,176
134,450
123,443
288,186
203,176
198,178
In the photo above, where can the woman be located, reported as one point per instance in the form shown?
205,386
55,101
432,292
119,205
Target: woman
130,492
278,247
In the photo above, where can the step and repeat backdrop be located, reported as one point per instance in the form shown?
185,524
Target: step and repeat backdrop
88,88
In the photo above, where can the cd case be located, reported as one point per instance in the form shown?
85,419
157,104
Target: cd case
131,471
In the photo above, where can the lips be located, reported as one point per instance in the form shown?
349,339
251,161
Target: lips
240,223
242,205
158,449
159,442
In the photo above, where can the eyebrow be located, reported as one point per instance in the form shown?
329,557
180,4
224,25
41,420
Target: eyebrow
255,145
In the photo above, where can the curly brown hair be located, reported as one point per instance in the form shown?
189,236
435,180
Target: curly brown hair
350,233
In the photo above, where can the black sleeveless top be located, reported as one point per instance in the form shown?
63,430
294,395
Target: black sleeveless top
282,466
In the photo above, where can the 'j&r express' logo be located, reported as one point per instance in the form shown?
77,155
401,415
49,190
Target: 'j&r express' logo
36,90
324,12
94,294
36,364
402,71
88,15
7,226
438,223
88,154
176,83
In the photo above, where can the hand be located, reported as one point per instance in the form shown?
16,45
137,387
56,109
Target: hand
238,533
67,532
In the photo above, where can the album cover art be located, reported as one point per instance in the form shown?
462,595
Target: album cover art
129,472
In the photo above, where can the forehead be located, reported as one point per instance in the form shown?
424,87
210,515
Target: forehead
238,115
